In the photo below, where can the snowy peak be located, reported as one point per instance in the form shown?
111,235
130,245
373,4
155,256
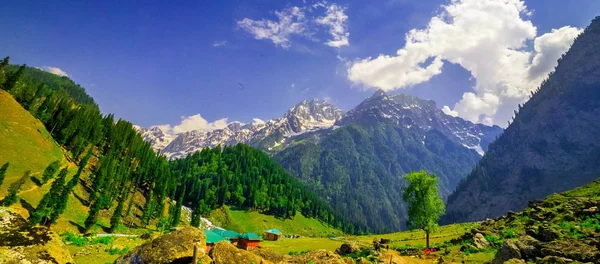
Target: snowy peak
157,137
304,117
410,112
309,115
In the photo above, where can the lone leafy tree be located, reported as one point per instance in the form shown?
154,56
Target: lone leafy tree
425,206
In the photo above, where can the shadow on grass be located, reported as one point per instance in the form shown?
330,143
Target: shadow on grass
81,200
36,181
27,206
80,228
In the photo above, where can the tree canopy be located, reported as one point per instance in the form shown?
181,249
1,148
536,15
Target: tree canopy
425,206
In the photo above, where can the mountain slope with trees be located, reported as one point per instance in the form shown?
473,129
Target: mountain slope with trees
551,145
122,165
357,165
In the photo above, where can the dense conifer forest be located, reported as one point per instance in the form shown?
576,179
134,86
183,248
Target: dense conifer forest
120,163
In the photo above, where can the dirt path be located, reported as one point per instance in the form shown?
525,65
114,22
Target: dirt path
392,256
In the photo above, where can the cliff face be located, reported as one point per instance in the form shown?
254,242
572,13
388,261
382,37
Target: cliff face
551,146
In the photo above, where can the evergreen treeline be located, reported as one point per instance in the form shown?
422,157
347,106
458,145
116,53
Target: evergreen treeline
124,163
247,178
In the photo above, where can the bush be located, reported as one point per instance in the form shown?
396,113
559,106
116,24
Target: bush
103,240
592,223
469,251
508,233
116,251
74,239
494,240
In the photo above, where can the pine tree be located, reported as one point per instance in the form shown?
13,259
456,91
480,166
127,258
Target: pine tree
3,172
50,171
51,199
176,215
115,220
13,189
11,81
63,198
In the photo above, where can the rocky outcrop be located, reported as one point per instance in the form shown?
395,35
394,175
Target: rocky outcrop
480,242
177,247
320,257
347,248
226,253
21,243
509,250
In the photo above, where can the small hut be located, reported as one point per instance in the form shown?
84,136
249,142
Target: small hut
230,235
249,240
212,238
272,234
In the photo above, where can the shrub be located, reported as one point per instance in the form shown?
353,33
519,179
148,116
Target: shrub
116,251
469,251
74,239
103,240
508,233
494,240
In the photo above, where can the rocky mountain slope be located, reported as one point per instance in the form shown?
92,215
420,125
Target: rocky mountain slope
562,228
551,146
358,164
305,116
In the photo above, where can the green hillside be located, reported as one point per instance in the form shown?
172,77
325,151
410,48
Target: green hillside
248,221
28,146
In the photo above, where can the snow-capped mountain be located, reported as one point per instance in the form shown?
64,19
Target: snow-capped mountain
319,115
158,138
305,116
423,115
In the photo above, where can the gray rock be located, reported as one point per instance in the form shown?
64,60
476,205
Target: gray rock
509,250
480,242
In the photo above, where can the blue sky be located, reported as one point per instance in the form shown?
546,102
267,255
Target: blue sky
155,62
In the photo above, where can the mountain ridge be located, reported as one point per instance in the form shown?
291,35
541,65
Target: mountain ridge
551,145
311,116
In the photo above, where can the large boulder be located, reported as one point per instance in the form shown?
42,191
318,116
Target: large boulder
347,248
480,242
225,253
529,246
319,256
509,250
21,243
553,260
175,247
270,255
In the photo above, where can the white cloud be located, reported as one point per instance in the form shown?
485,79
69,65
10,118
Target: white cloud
301,21
488,39
258,121
197,122
449,111
290,22
54,70
336,20
219,43
549,47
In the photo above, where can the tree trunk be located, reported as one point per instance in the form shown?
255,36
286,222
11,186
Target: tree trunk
427,238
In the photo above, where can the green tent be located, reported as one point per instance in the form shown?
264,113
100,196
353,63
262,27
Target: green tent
274,231
250,236
212,237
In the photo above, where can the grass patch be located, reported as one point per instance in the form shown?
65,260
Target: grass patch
244,221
